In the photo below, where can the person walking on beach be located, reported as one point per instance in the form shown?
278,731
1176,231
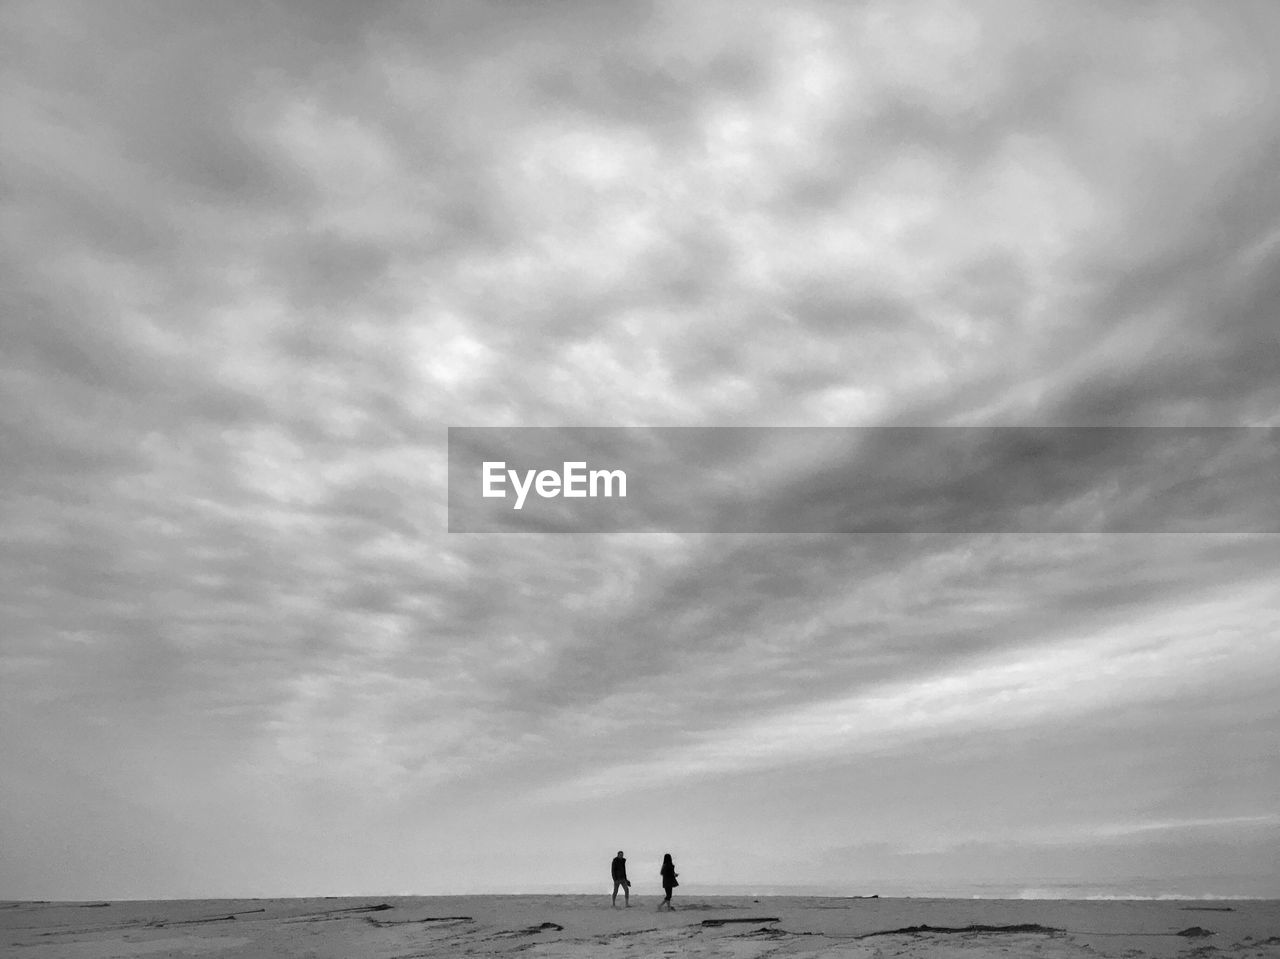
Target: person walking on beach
669,881
619,871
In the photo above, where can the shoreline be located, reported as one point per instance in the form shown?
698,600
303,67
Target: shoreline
692,892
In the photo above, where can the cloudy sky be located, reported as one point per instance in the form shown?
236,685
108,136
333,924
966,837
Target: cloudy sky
258,257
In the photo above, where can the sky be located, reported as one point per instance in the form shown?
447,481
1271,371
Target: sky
257,258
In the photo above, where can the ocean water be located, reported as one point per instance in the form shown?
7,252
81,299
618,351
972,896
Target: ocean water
1137,888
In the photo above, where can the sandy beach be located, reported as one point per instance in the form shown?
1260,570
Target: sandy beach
581,926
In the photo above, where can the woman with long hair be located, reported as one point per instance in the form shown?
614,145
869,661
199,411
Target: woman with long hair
669,882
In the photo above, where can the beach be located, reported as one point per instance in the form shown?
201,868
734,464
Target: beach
740,927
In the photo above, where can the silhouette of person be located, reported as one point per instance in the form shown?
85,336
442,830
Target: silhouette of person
619,872
669,881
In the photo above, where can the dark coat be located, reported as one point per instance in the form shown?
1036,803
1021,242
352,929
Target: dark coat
669,875
619,869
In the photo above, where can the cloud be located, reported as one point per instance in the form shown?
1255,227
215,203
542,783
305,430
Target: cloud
256,264
1164,660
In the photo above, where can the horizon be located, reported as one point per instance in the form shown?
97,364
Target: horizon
717,892
263,268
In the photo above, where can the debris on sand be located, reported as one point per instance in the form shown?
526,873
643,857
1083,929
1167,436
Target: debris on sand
920,930
384,923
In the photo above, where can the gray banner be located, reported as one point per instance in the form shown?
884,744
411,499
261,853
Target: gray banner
864,480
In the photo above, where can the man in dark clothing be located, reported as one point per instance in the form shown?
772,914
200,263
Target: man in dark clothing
619,871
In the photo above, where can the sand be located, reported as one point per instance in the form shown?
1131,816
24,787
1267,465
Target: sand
586,926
